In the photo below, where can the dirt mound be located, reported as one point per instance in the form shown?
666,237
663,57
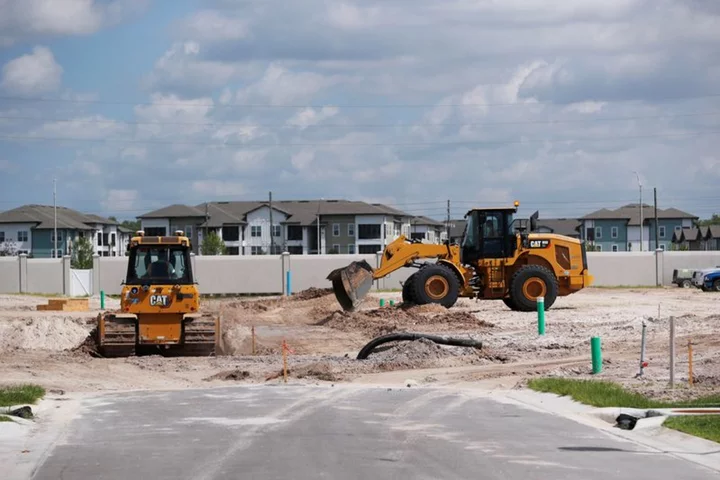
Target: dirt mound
51,333
232,375
417,354
319,370
382,321
312,293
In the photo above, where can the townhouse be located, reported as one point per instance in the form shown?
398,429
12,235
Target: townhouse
697,238
620,230
297,226
30,229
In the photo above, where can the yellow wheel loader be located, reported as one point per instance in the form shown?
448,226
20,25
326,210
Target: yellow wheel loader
495,260
160,306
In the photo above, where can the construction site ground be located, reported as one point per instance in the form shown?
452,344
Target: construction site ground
55,349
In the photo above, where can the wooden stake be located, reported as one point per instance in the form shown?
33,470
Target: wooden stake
284,354
253,339
690,372
672,351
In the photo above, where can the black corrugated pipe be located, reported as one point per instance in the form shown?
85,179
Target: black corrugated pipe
404,336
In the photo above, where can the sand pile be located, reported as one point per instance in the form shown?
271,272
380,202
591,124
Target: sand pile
417,354
312,293
381,321
52,333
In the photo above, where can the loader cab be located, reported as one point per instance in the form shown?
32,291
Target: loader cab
488,234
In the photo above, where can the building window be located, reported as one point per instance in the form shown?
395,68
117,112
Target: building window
598,232
23,236
231,234
154,232
661,228
232,250
351,249
662,247
368,249
277,231
2,237
351,230
336,229
256,231
598,248
188,231
294,232
614,232
295,249
60,236
255,250
368,231
614,248
335,248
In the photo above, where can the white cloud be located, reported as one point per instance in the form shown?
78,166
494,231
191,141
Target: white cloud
215,188
282,86
33,73
27,18
213,26
118,200
311,116
585,107
88,127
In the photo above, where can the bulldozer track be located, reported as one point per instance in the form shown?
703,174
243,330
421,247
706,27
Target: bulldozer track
200,337
119,339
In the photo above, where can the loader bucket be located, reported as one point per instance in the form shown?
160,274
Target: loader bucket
351,283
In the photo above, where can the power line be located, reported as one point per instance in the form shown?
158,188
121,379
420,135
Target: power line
191,104
366,125
396,144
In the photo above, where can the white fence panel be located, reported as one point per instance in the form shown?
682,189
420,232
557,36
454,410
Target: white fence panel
81,283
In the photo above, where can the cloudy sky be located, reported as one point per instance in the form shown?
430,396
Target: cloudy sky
135,104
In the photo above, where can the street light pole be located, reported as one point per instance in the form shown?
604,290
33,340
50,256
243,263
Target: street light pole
641,211
55,239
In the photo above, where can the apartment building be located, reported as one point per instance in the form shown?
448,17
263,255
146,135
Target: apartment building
30,229
297,226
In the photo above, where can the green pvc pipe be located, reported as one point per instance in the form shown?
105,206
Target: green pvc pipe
541,315
596,355
382,302
102,299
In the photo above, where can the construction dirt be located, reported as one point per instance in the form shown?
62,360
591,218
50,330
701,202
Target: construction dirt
55,349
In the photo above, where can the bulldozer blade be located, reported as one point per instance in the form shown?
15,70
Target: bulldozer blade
351,283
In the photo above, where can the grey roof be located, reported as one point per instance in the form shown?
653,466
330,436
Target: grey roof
122,229
561,226
710,231
457,227
174,211
299,212
44,217
631,213
421,220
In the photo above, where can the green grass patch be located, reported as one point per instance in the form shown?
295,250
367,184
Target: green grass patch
608,394
20,394
703,426
3,418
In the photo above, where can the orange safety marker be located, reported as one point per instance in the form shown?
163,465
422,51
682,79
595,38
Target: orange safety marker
690,372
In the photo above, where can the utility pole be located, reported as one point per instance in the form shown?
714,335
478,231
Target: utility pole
641,211
55,239
657,241
447,224
272,228
318,228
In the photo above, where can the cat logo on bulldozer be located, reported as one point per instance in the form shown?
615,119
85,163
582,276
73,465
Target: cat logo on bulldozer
159,300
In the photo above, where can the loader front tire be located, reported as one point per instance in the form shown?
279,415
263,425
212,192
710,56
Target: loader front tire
529,283
408,290
435,283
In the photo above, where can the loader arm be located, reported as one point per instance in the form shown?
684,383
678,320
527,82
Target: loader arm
402,253
352,283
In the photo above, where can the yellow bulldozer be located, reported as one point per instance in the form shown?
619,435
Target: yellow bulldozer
159,305
496,259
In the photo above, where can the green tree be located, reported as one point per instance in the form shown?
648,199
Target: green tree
212,244
714,220
82,258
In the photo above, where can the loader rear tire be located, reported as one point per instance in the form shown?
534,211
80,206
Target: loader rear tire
435,283
529,283
509,303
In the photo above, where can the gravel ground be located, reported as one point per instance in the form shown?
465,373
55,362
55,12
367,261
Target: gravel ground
48,348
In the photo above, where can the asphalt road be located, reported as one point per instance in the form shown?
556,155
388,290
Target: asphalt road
341,432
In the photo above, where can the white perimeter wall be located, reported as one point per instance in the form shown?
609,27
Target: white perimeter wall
266,273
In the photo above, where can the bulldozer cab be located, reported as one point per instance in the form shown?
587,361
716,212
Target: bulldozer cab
159,263
488,234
